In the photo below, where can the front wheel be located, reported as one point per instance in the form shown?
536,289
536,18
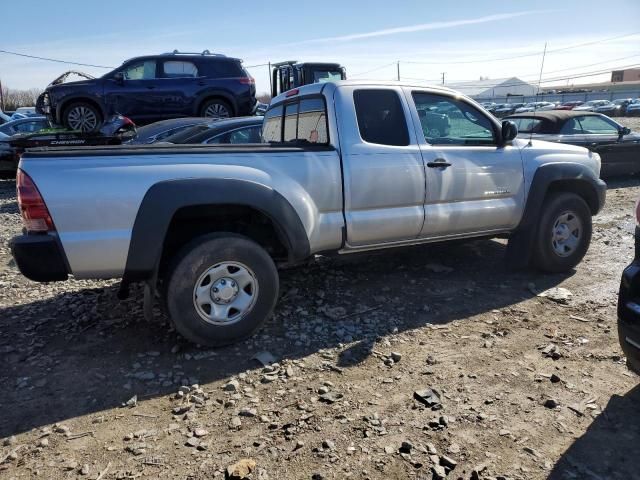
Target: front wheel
221,288
82,117
564,233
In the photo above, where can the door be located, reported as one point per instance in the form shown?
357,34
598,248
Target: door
600,134
137,95
177,88
473,185
384,180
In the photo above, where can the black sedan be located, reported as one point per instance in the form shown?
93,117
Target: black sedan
629,306
618,147
159,131
227,131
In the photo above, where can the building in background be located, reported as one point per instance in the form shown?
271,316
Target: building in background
509,87
628,75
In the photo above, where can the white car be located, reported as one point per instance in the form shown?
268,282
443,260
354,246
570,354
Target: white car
591,105
537,107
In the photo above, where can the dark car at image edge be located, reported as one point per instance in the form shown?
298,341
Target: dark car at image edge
154,87
629,305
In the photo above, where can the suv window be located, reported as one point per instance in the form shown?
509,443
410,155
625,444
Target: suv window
449,121
143,70
179,69
380,117
304,119
221,68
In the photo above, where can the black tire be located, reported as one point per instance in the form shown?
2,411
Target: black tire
195,260
633,364
213,105
73,115
545,255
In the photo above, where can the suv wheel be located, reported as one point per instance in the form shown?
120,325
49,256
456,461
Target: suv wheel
82,116
564,233
221,288
216,108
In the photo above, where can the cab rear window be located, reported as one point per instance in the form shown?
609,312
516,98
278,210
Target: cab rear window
300,120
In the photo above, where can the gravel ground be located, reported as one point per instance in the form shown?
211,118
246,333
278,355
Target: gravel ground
411,363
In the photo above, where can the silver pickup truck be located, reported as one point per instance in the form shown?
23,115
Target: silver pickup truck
347,167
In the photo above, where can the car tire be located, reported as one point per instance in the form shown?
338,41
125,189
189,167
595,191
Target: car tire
633,364
216,108
243,277
563,233
82,116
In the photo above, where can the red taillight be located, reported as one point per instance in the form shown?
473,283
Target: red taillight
247,80
34,212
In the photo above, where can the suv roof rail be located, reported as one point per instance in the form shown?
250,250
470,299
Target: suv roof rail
204,53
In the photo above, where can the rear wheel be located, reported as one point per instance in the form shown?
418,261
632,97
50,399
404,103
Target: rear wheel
216,108
82,116
564,233
221,288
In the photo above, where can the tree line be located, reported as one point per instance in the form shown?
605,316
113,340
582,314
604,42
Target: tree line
13,99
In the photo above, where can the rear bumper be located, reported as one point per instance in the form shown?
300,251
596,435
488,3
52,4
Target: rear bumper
39,257
629,310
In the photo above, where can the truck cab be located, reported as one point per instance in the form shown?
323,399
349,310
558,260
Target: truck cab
291,74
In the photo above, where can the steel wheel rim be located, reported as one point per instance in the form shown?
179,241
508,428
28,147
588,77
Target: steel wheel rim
225,293
82,118
216,110
566,234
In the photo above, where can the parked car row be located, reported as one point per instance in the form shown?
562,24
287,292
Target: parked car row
618,146
616,108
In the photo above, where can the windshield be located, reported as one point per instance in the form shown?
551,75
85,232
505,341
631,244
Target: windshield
326,76
527,125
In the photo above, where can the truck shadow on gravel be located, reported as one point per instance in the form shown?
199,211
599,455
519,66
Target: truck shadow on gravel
83,352
609,448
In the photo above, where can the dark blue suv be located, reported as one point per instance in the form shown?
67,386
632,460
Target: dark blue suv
154,87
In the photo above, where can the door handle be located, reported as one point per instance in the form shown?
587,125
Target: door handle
439,163
151,87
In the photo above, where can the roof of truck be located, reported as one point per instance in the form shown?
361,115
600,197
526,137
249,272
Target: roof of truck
316,88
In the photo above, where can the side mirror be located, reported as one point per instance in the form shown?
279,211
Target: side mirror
509,131
119,78
624,131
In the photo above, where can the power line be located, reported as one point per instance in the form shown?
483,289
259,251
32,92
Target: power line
54,60
461,84
373,69
524,55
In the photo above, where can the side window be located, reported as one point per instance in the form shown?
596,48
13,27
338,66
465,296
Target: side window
179,69
29,127
448,121
272,125
291,122
312,121
597,125
245,135
571,127
145,70
380,117
304,120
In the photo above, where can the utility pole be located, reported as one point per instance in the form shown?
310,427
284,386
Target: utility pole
1,97
443,77
398,65
270,79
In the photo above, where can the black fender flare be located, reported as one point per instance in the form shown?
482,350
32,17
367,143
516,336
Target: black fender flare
521,241
212,93
164,199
